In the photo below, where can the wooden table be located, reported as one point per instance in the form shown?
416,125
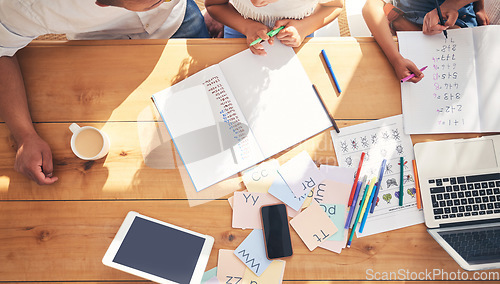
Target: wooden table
61,232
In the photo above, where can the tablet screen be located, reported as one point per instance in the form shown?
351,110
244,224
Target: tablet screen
160,250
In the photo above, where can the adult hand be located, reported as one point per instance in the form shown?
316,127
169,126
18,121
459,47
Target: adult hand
292,35
254,31
405,67
34,160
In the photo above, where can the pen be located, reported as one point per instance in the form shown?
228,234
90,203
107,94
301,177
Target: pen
370,200
356,179
379,185
401,169
357,218
417,185
269,33
370,189
364,186
441,20
412,75
351,210
324,107
331,70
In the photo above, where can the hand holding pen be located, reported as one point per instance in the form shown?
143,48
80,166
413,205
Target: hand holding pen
441,18
259,50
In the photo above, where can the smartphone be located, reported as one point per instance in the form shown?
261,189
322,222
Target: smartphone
276,231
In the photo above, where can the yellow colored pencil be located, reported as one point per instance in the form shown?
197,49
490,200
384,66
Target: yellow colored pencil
372,183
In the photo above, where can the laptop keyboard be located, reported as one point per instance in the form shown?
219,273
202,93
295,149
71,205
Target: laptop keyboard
478,245
465,196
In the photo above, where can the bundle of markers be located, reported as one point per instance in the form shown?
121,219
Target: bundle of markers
368,201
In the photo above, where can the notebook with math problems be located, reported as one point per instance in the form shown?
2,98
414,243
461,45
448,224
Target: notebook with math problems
459,91
232,115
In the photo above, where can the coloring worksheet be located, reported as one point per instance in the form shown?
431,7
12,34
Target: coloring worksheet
382,139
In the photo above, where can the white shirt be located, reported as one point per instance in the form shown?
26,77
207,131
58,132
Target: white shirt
269,14
24,20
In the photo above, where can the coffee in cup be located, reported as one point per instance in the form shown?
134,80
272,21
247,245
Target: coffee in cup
88,143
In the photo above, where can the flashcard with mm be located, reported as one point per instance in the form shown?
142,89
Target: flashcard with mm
252,252
301,174
313,226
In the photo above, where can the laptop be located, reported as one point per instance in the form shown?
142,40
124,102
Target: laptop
460,190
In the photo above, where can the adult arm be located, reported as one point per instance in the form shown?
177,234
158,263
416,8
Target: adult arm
224,12
449,10
296,31
378,24
33,157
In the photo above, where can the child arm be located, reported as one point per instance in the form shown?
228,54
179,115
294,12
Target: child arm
481,16
295,31
378,24
225,13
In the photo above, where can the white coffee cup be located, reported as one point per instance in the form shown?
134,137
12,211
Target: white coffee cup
88,143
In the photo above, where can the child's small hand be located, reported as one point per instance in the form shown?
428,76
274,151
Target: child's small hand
405,67
254,31
482,18
292,34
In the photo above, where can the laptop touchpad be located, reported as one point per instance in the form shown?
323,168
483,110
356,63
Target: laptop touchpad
475,155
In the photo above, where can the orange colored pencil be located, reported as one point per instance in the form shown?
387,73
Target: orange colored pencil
417,186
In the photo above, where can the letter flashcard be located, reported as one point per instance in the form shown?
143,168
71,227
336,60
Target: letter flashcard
301,174
313,226
252,252
246,208
229,268
260,177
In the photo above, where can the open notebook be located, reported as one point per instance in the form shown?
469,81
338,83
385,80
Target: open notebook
459,92
239,112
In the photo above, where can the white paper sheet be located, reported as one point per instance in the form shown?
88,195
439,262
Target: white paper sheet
459,91
381,139
235,114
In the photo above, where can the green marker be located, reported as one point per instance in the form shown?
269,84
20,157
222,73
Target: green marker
269,33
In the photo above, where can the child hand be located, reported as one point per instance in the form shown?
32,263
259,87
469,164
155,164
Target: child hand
292,34
254,31
449,10
482,18
405,67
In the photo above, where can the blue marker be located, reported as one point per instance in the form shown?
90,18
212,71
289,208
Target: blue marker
357,218
354,201
353,206
330,69
379,185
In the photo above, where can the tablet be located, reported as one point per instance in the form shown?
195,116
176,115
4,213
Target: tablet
159,251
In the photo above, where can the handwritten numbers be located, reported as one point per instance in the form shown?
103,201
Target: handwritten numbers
446,84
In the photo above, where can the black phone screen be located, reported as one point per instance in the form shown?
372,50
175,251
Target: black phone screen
276,231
